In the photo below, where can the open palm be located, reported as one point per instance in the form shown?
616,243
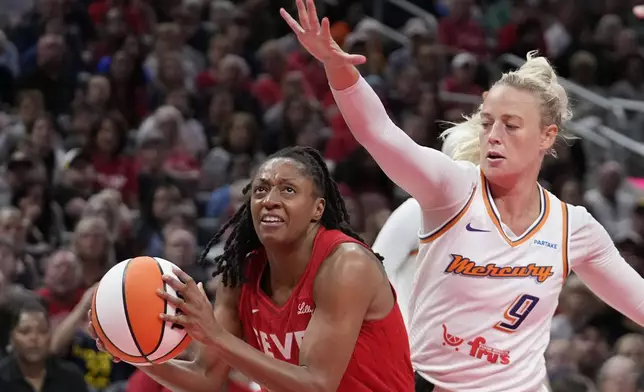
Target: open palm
315,36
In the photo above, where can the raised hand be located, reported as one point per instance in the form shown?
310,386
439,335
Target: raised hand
315,36
196,313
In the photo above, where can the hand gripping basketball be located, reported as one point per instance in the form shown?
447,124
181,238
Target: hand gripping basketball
195,312
316,38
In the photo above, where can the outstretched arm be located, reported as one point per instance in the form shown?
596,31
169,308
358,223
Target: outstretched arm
607,274
428,175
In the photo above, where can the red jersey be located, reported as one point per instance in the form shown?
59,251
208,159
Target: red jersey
380,361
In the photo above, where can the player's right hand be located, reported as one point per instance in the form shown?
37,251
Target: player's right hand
316,38
92,333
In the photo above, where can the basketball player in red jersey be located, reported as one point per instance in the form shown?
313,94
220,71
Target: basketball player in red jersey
303,304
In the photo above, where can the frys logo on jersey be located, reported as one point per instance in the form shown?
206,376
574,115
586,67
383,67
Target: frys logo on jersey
478,348
461,265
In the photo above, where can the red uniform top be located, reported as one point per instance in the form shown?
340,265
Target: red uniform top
380,361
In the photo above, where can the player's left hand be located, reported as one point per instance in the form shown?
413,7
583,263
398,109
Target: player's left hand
195,310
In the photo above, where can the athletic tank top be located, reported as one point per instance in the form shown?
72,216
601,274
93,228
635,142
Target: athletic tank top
380,361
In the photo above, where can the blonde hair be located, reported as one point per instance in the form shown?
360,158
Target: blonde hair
537,76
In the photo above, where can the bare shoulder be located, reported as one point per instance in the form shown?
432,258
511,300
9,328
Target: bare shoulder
349,270
350,260
353,271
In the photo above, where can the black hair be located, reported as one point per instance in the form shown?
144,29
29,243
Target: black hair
231,264
31,305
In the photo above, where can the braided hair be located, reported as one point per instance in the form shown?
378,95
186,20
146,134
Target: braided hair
231,264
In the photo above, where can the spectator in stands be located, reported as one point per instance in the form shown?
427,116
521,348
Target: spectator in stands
61,289
50,76
610,202
29,107
203,89
42,217
459,31
560,358
29,366
577,307
93,247
571,383
590,348
128,78
618,374
74,186
42,144
420,33
631,346
114,169
239,138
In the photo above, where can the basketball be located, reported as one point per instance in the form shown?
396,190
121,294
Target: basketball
126,308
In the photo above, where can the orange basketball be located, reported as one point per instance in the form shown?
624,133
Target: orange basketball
126,308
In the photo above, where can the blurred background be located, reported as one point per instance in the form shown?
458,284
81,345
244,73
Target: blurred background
129,127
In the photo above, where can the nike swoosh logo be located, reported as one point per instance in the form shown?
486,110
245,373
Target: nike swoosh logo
470,228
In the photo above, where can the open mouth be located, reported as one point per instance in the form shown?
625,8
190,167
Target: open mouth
494,156
271,220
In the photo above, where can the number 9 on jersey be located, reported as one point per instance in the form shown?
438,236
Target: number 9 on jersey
517,312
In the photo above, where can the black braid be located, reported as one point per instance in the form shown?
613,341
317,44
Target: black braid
243,238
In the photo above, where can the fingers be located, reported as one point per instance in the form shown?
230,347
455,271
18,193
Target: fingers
174,300
180,319
355,59
314,21
326,27
303,15
184,277
92,331
297,29
175,283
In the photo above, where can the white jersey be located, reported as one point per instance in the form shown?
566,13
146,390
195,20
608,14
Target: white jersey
397,242
483,299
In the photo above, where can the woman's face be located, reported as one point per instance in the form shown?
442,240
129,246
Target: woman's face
91,240
30,338
107,138
283,202
240,135
513,141
164,199
62,273
298,113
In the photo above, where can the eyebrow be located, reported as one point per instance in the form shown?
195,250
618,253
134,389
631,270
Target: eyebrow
510,115
281,180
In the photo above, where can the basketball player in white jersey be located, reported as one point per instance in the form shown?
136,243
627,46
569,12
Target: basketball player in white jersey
398,242
495,248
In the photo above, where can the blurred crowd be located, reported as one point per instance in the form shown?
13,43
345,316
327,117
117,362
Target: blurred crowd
129,127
